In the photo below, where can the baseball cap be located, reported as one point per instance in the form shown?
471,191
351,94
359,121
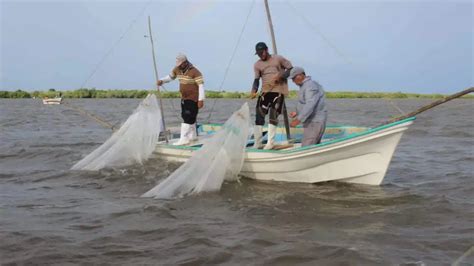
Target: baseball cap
181,58
260,46
295,71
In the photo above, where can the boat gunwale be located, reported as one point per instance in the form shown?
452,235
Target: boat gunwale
309,147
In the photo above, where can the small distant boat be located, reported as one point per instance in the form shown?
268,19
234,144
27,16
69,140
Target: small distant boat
56,100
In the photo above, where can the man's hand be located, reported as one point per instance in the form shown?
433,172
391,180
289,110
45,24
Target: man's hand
159,82
294,123
200,104
253,94
292,114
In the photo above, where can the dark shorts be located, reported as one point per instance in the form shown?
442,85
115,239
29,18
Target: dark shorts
189,111
270,102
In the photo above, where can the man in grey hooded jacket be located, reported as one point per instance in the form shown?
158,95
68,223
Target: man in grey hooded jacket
311,108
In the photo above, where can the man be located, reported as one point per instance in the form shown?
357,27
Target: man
191,87
311,108
274,71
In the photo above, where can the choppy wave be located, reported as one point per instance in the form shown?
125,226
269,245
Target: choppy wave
421,215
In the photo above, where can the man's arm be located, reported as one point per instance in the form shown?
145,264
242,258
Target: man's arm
201,93
286,73
201,96
286,65
164,80
256,82
168,78
253,92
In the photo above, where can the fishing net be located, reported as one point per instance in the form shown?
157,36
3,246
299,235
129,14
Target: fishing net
220,158
133,143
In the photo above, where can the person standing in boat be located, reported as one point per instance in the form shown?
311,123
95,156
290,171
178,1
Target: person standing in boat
191,87
311,108
274,71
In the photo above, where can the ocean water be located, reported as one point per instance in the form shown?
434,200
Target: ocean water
423,214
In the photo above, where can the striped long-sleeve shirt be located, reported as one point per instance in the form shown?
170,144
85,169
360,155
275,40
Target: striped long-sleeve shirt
189,81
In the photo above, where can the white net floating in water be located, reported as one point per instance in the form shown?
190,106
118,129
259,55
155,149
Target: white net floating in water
220,158
133,143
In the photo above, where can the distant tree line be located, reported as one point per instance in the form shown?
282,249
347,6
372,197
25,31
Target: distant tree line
95,93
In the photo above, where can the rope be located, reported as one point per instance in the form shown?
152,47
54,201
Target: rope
318,31
175,111
95,117
102,60
333,46
396,107
115,44
231,59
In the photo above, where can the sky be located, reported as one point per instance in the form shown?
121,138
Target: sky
417,46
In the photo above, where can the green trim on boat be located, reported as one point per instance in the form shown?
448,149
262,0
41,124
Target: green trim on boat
353,135
350,136
298,126
180,147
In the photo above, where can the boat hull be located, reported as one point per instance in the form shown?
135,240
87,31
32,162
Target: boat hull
361,158
52,101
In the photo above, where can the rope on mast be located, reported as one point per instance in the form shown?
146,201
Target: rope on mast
96,118
231,58
333,46
320,33
116,43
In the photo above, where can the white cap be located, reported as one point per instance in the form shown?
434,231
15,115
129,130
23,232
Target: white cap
181,58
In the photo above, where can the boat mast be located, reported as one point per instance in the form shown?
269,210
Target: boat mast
270,25
275,51
157,78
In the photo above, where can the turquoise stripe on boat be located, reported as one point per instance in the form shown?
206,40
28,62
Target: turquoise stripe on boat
351,136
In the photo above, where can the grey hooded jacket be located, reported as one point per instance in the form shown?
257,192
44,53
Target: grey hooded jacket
311,102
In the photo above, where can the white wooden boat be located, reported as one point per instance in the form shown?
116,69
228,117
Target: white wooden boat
347,154
56,100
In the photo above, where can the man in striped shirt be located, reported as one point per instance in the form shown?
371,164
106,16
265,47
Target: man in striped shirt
191,87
